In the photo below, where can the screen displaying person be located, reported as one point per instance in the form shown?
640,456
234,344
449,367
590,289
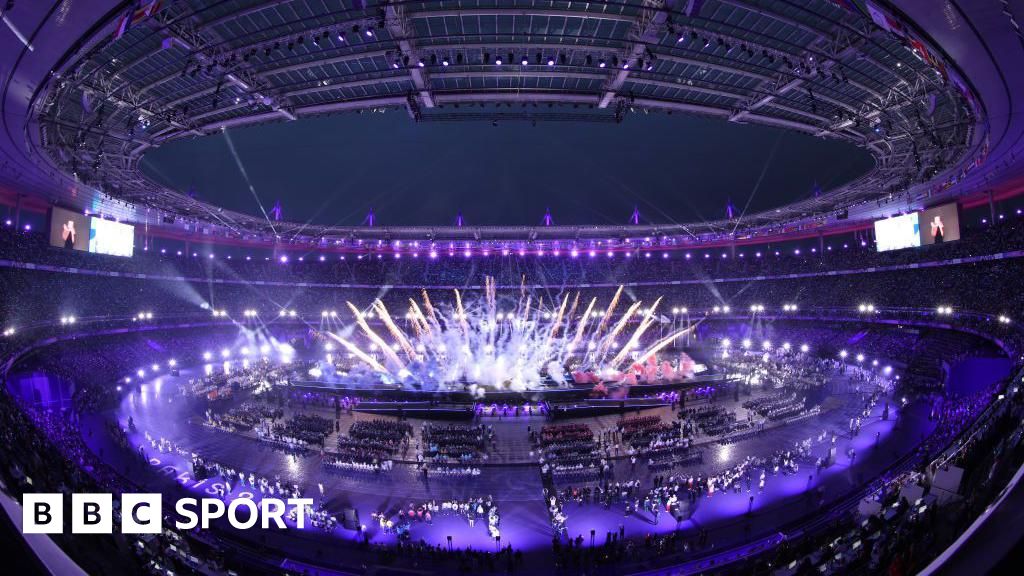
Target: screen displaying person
938,229
68,234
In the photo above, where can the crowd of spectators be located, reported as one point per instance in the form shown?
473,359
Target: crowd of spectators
245,416
300,431
568,452
46,449
368,264
443,444
86,294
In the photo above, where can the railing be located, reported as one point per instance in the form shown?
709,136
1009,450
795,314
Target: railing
376,286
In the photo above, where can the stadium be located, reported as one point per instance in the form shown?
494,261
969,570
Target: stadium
515,286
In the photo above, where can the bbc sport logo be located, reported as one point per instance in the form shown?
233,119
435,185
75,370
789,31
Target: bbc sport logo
93,513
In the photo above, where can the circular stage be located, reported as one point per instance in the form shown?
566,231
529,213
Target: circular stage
769,475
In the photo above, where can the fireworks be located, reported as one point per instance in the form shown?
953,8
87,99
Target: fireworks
472,342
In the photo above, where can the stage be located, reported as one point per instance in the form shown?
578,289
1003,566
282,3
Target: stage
511,475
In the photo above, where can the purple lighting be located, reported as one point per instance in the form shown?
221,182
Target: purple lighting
575,253
284,259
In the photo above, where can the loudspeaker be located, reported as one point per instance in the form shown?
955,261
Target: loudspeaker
350,519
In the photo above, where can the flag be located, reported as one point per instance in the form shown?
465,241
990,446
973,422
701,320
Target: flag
884,20
961,87
133,17
923,52
847,5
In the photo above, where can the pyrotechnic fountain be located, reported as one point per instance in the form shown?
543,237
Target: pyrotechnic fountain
473,343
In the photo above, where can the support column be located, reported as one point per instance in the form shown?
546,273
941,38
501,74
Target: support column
17,212
991,207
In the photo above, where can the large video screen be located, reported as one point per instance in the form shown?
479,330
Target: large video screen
69,229
109,237
940,224
898,232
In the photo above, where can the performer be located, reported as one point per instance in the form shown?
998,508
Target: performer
938,229
68,234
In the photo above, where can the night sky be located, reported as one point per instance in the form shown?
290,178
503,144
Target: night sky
674,168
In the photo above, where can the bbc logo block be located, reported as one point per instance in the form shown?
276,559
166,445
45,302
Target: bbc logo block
42,514
92,514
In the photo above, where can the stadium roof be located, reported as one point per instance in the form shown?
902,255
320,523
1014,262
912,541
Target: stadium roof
195,67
